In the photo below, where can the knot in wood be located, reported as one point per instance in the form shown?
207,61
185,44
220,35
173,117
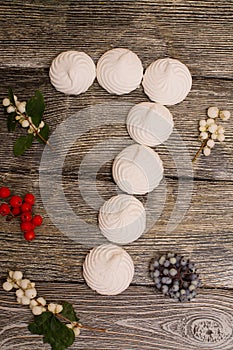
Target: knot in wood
208,331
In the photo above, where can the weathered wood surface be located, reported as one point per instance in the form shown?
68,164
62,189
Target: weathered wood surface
143,319
205,234
59,107
200,34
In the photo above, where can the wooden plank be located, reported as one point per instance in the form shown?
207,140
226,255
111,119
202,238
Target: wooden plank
192,31
59,107
199,33
144,319
204,235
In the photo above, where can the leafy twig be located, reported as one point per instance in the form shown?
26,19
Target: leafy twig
58,324
29,115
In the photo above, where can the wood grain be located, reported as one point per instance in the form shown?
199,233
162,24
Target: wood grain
204,235
143,318
195,32
59,107
199,33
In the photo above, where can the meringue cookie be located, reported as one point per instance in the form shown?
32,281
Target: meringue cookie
167,81
149,123
119,71
72,72
122,219
108,269
137,169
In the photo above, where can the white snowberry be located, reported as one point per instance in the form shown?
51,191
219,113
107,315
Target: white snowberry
25,300
214,136
19,293
52,307
25,283
210,121
6,102
21,107
212,128
221,137
10,109
15,98
76,331
17,275
37,310
19,300
31,130
33,303
41,125
220,129
69,326
212,112
17,117
225,115
31,293
202,122
203,135
58,309
210,143
7,286
206,151
11,274
202,128
41,301
25,123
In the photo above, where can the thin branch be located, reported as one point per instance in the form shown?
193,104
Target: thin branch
204,143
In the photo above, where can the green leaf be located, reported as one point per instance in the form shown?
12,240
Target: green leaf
44,133
22,144
11,96
35,108
11,122
54,331
40,323
69,312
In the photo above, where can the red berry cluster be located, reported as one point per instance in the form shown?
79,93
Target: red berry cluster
23,209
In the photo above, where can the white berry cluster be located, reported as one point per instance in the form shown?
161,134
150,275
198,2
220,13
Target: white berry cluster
210,131
21,117
26,294
75,327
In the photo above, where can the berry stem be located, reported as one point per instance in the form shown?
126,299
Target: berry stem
102,330
204,143
10,216
34,128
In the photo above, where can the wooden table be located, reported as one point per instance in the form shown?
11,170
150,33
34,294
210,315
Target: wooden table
200,34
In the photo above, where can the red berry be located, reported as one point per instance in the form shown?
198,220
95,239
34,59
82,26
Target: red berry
4,192
29,235
29,198
4,209
16,201
37,220
26,226
26,217
16,211
26,207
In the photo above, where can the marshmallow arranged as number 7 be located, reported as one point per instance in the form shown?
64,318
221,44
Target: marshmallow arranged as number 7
137,169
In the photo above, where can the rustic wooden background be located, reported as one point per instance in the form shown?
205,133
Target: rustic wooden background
199,33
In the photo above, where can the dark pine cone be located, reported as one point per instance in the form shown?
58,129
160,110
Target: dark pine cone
175,276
